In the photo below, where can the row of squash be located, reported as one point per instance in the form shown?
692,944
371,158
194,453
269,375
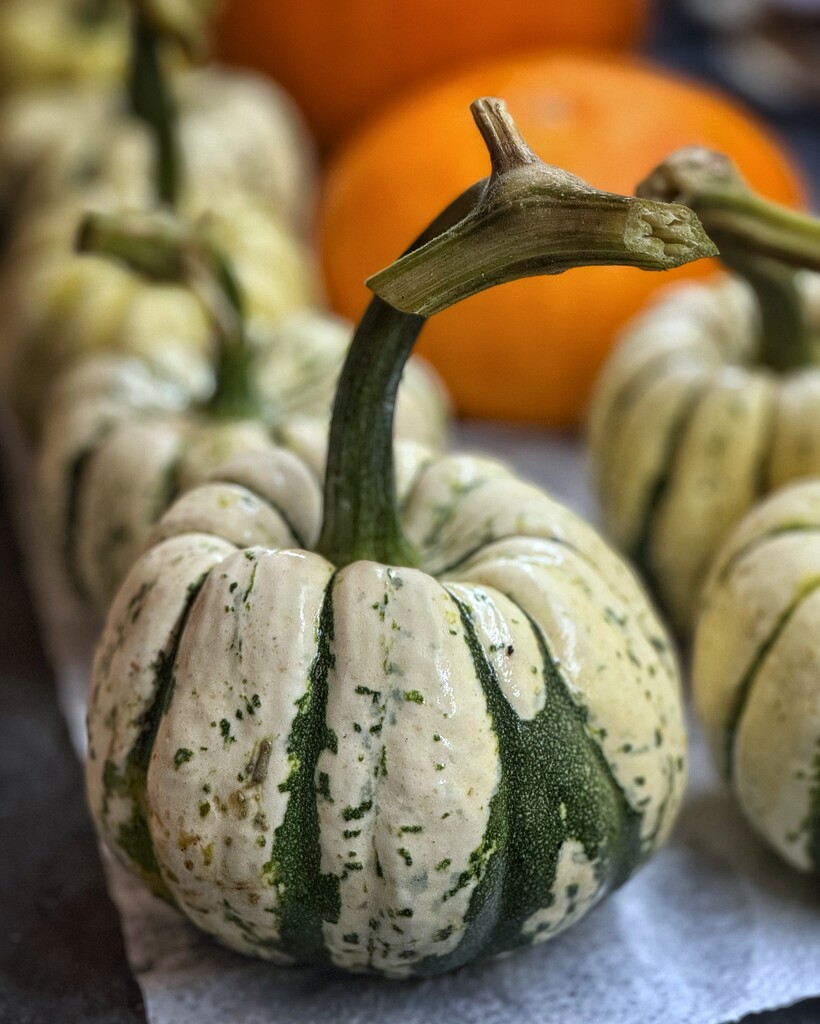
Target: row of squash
704,436
391,737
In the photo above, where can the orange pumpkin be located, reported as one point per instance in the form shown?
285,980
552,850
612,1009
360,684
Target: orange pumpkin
342,58
528,350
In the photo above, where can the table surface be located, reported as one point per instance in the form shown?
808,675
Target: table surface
61,951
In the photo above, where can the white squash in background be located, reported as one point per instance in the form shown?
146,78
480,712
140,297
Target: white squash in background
756,671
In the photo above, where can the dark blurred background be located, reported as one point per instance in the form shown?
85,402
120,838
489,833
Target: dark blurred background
765,52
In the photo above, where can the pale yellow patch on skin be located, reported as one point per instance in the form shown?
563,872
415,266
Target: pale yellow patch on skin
576,891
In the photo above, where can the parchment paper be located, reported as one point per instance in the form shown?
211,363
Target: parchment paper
712,929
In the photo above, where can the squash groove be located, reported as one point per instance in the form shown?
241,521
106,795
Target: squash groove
746,686
676,439
555,789
306,896
134,836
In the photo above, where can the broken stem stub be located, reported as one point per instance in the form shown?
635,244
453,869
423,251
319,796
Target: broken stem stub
164,250
534,219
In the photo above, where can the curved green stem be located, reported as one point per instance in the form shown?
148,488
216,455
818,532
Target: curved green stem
526,218
786,334
151,100
162,249
361,518
761,241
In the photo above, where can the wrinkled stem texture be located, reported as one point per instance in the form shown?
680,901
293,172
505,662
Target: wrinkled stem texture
535,219
527,218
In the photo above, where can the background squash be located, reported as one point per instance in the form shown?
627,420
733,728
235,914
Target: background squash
61,306
61,42
756,673
725,376
341,61
529,350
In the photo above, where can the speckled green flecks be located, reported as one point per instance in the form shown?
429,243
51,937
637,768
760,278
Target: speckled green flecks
307,896
134,836
555,786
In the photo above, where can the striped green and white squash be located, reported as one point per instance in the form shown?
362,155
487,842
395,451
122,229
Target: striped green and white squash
424,715
79,149
114,86
757,669
122,438
688,429
396,770
679,435
62,306
712,397
216,147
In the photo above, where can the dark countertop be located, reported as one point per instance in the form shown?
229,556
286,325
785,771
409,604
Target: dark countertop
61,952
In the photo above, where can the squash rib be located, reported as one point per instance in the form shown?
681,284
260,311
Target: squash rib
746,685
676,439
760,541
134,837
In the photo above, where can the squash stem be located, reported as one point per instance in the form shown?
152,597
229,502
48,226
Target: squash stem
787,339
535,219
163,250
764,243
527,218
361,514
151,100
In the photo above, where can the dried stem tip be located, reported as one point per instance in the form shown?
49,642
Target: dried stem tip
533,219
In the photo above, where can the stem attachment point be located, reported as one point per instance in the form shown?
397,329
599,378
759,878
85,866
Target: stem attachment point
162,249
760,241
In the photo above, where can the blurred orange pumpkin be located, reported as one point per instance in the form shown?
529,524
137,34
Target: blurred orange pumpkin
343,58
528,350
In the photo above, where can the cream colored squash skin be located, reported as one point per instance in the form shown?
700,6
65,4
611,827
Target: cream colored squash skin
687,430
61,41
757,669
121,439
237,132
392,770
63,306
